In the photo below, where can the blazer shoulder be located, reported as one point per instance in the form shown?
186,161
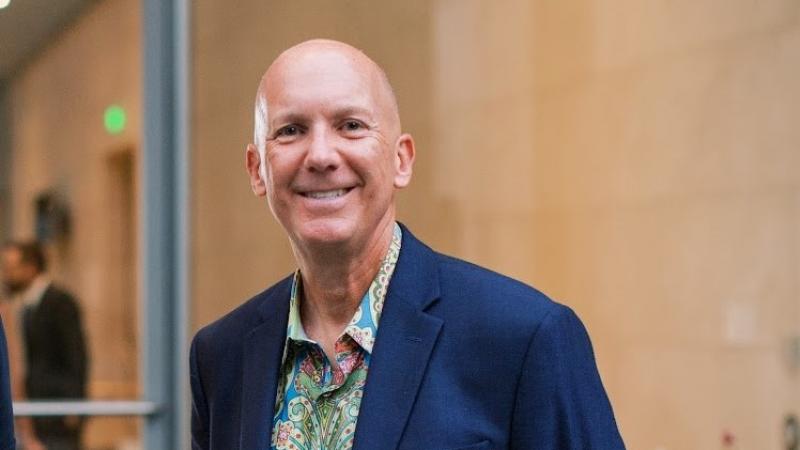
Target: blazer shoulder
58,294
493,296
56,302
238,322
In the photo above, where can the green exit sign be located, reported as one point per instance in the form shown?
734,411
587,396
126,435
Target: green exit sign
114,119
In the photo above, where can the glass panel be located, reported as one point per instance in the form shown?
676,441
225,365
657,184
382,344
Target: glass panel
118,433
70,183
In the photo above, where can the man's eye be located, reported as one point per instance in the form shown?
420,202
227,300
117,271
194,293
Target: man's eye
352,125
290,130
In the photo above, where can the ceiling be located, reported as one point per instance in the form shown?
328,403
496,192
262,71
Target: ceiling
26,26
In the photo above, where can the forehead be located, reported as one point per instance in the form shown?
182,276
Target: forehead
320,81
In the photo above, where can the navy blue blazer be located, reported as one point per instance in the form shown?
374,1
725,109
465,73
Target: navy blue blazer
464,359
6,416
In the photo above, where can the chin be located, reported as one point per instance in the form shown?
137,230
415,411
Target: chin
325,231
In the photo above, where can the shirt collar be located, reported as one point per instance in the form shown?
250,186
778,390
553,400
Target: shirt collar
33,294
363,327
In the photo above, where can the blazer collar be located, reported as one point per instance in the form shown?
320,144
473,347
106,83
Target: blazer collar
406,338
263,349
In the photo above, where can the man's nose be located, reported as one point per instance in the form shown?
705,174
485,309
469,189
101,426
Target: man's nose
322,154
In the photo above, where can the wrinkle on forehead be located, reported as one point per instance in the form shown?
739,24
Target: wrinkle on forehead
323,48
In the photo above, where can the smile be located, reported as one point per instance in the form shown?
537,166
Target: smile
336,193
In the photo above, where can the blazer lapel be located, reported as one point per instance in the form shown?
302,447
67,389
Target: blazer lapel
263,349
406,337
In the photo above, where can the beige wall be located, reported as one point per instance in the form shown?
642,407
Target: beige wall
59,143
637,161
640,164
669,198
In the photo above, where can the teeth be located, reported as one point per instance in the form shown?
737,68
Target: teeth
326,194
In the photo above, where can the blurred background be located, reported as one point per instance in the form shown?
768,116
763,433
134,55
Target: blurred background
637,160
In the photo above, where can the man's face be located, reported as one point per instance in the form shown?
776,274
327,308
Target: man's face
17,275
333,155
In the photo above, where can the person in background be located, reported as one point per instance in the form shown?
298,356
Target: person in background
54,348
7,441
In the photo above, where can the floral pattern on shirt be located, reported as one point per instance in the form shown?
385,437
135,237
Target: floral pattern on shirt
317,406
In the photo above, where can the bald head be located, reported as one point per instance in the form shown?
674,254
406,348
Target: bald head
323,58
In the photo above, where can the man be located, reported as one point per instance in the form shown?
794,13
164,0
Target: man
7,441
377,342
53,341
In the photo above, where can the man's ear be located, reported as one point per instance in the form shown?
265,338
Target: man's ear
404,160
253,164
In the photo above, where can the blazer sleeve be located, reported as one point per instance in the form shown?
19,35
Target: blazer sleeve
6,416
200,426
561,403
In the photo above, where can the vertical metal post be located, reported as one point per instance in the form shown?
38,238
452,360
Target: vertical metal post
183,239
165,221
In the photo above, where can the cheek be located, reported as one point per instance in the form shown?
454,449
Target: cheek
374,161
278,169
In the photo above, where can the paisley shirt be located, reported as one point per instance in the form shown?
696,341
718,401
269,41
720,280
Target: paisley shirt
316,405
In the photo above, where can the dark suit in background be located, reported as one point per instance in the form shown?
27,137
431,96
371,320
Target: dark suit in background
6,417
56,361
464,359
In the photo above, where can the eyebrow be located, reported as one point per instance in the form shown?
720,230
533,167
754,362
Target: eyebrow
282,119
295,117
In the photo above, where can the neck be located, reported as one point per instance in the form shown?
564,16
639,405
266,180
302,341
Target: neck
334,281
